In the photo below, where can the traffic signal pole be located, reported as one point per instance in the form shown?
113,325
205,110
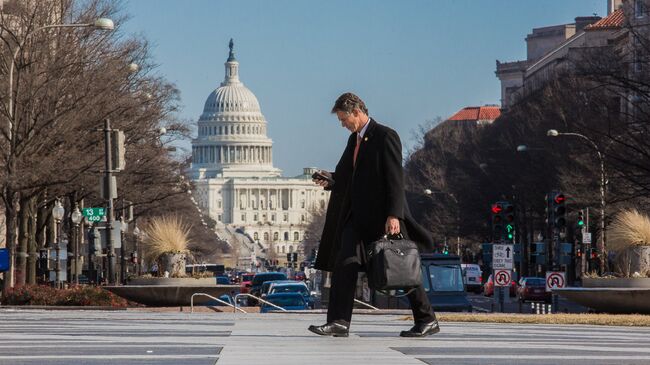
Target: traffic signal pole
108,174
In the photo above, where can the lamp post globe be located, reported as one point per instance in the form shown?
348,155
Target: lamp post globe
522,148
76,216
552,133
133,67
58,211
104,24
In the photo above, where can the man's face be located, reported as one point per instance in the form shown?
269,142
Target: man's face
352,121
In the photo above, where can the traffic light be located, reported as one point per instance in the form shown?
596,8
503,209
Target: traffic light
581,219
445,250
578,252
594,254
497,221
558,209
509,221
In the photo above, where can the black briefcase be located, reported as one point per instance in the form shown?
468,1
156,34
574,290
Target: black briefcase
393,264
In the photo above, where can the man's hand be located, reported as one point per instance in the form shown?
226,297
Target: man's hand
322,182
392,225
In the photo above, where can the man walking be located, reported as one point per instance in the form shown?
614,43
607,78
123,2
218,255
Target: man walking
367,201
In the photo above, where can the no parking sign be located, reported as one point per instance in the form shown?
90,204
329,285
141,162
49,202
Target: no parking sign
555,279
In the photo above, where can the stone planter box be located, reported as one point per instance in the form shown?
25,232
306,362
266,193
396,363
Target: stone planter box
616,295
168,292
173,281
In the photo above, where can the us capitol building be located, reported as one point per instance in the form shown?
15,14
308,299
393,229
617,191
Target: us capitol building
260,213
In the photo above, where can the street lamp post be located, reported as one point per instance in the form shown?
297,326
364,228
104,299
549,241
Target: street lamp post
57,214
136,254
453,197
123,228
100,24
555,133
75,216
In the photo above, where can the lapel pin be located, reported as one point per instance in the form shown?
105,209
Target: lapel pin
365,139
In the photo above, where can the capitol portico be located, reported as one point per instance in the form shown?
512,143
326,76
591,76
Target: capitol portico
259,212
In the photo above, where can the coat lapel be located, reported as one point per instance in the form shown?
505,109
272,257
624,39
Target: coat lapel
364,141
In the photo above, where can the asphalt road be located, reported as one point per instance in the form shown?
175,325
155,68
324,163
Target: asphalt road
30,337
488,304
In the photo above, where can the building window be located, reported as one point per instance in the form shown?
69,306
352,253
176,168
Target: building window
302,204
219,203
219,218
290,248
296,236
243,217
276,236
286,236
256,236
263,217
302,217
638,60
272,217
277,249
256,217
639,8
285,217
266,236
283,249
322,204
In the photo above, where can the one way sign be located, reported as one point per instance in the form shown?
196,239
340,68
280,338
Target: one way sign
503,257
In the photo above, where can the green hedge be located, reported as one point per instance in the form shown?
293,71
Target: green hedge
73,296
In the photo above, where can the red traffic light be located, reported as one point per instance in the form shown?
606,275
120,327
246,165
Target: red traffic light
559,199
497,208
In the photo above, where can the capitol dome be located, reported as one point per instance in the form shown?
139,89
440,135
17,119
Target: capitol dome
232,136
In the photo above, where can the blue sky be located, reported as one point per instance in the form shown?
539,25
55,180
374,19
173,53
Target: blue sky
410,60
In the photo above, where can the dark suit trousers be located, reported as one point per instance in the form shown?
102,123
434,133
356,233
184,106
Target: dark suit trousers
344,283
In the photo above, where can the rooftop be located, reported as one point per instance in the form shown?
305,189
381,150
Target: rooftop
613,21
476,113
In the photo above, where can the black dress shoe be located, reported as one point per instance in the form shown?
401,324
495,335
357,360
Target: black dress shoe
331,329
422,329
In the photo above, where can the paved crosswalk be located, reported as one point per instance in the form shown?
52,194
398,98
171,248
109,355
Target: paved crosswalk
96,337
30,337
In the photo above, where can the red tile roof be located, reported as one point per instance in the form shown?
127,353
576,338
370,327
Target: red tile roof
476,113
612,21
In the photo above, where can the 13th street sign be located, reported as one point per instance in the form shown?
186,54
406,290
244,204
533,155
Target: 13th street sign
503,257
93,214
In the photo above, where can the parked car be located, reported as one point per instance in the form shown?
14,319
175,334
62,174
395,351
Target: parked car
472,277
261,278
288,301
223,280
442,280
292,287
488,288
245,282
532,289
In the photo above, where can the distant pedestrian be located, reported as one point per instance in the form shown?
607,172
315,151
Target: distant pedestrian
367,201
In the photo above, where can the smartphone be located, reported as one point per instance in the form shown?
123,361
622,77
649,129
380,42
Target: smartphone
320,176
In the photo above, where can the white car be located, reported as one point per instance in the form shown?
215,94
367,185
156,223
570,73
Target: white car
473,277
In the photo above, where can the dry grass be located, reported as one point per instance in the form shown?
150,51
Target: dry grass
630,320
629,228
168,234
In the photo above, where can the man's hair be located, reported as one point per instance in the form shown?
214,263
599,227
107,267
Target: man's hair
348,102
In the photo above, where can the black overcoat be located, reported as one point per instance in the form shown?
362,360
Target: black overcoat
368,193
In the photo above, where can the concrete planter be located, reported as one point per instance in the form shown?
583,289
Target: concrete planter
616,283
173,281
633,259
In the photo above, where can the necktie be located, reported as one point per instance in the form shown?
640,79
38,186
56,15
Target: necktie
356,149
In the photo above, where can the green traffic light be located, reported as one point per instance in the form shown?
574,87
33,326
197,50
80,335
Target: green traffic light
510,236
581,223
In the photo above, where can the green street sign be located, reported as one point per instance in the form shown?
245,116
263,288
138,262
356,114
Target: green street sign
93,214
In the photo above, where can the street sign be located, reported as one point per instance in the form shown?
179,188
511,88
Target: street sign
93,214
555,279
502,277
4,259
586,237
503,257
